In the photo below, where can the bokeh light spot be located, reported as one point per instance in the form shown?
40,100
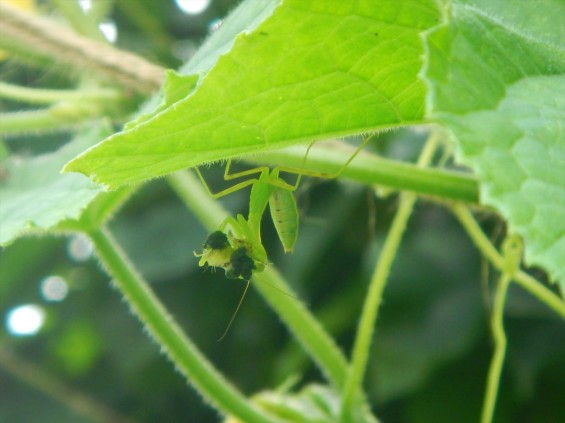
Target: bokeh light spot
85,5
193,7
25,320
110,30
54,288
80,248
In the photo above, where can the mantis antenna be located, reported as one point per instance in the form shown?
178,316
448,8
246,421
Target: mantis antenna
235,312
241,302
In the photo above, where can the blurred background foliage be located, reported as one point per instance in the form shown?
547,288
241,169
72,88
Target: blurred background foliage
432,345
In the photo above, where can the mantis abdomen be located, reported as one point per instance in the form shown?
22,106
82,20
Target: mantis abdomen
285,217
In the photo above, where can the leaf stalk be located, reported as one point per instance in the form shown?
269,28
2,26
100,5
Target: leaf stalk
371,169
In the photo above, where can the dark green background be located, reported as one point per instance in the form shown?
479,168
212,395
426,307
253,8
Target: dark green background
432,345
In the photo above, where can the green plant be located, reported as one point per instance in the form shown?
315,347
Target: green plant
475,75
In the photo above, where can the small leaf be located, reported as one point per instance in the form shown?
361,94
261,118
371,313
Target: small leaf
176,87
499,88
34,195
312,404
311,70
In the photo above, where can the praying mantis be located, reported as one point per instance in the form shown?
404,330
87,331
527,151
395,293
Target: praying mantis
239,251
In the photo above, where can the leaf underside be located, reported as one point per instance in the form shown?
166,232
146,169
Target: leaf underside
494,77
500,91
311,70
35,196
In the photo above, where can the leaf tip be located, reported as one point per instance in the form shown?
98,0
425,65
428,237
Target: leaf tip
75,166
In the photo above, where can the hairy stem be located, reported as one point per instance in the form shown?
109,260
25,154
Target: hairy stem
180,349
497,260
372,304
372,169
45,96
513,249
373,299
497,361
23,33
44,120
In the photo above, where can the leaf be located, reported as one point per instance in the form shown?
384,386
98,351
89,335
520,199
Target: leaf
313,69
312,404
499,88
34,195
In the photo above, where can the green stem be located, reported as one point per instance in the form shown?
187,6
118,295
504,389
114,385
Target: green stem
80,22
33,121
481,241
37,37
539,291
513,249
372,305
60,117
306,328
368,168
373,300
484,245
497,361
184,354
43,96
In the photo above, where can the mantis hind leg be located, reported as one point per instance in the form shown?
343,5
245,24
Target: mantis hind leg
281,183
229,176
226,191
305,172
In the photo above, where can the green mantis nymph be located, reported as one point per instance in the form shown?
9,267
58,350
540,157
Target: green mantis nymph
240,251
244,235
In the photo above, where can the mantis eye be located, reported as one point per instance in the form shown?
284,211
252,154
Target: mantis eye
217,241
217,251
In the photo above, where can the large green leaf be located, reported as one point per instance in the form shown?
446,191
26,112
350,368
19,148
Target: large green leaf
313,69
498,84
34,195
